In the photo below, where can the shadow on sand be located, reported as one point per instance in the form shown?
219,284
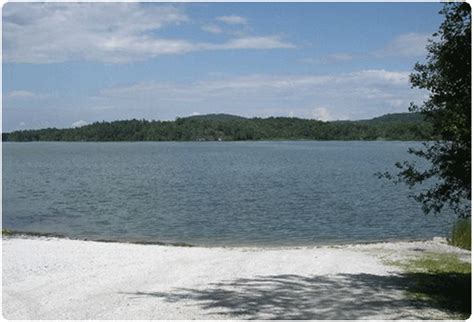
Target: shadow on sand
341,296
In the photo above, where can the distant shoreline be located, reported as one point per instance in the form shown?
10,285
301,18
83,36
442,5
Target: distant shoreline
229,141
143,241
223,127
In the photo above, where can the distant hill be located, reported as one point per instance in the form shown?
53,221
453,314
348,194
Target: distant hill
390,118
398,117
220,117
225,127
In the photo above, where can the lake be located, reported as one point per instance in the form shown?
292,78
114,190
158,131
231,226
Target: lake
213,193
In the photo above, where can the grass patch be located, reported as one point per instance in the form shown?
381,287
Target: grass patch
11,233
440,280
6,232
461,234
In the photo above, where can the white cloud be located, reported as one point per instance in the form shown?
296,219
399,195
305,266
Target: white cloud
25,95
321,113
382,76
271,42
308,60
79,123
354,95
337,58
213,29
362,79
57,32
232,20
406,45
103,32
21,94
396,102
146,47
357,95
340,57
410,45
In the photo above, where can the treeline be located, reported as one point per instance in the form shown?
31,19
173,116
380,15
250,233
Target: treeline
403,126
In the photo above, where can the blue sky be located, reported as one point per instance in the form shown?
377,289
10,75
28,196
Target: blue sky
69,64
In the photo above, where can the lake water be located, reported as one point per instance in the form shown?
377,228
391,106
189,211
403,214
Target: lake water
213,193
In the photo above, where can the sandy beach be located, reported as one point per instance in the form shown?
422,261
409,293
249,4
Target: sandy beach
50,278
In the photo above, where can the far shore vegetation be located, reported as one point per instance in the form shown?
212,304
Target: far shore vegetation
224,127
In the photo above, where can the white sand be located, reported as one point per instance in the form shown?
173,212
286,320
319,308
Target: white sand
68,279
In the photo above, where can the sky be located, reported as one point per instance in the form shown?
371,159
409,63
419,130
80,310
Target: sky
71,64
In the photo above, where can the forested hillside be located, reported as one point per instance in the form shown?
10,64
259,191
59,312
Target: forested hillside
402,126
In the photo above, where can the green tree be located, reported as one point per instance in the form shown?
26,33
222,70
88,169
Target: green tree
446,74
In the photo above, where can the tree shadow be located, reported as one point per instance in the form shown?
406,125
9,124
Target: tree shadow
448,291
296,297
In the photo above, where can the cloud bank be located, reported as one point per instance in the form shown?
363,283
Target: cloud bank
232,20
410,45
405,45
354,95
106,32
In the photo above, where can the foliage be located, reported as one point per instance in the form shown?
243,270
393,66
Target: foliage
234,128
447,76
461,234
442,280
6,232
437,263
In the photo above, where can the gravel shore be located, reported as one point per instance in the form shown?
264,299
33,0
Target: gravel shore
51,278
